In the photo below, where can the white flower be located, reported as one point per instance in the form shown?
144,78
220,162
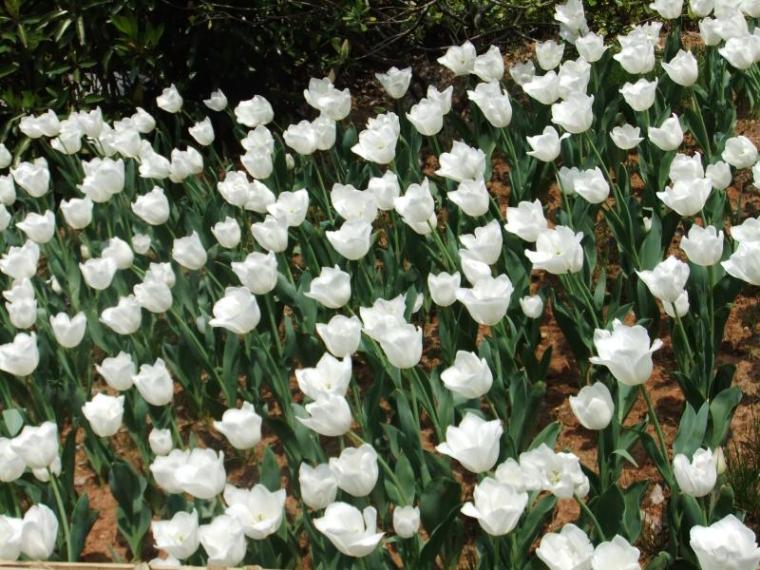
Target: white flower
352,532
469,376
697,477
460,59
69,331
241,427
474,443
593,406
497,506
177,536
238,311
703,246
170,100
254,112
570,549
217,101
356,470
395,81
104,414
259,510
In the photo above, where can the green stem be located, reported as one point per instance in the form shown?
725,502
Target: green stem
442,247
657,427
682,330
62,516
590,515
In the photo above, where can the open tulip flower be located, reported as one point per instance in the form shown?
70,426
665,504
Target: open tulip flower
324,336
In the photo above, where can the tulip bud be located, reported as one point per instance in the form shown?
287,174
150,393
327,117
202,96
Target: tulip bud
406,521
160,441
318,485
593,406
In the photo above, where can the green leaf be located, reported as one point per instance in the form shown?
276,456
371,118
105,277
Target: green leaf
269,471
439,498
721,410
14,421
691,430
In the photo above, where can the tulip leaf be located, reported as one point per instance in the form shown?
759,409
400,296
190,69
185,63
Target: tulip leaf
14,421
82,519
269,471
439,499
691,430
721,410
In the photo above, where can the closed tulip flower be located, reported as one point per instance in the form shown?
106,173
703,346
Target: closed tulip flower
291,207
329,415
473,268
469,376
318,485
682,69
640,95
543,88
377,143
12,465
667,136
332,288
485,243
259,510
725,544
271,234
704,246
202,132
153,295
33,177
302,137
178,536
487,301
417,207
153,207
395,81
591,186
356,470
11,530
21,356
748,230
185,163
636,55
616,553
125,318
258,162
202,475
170,100
489,66
590,47
22,304
352,240
406,521
626,352
593,406
546,146
549,54
493,102
160,441
679,307
104,414
39,533
237,311
189,252
568,549
341,335
257,272
152,164
743,264
5,157
427,117
472,197
104,178
462,163
227,232
697,477
118,371
626,136
154,383
574,77
7,190
351,531
740,152
223,540
77,212
443,287
532,306
558,251
402,345
241,427
217,101
526,220
459,59
687,197
254,112
667,279
496,506
739,52
38,227
385,189
574,114
324,97
69,331
474,443
37,446
20,263
119,250
686,168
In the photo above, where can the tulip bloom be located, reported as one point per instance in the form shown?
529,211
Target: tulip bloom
626,352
